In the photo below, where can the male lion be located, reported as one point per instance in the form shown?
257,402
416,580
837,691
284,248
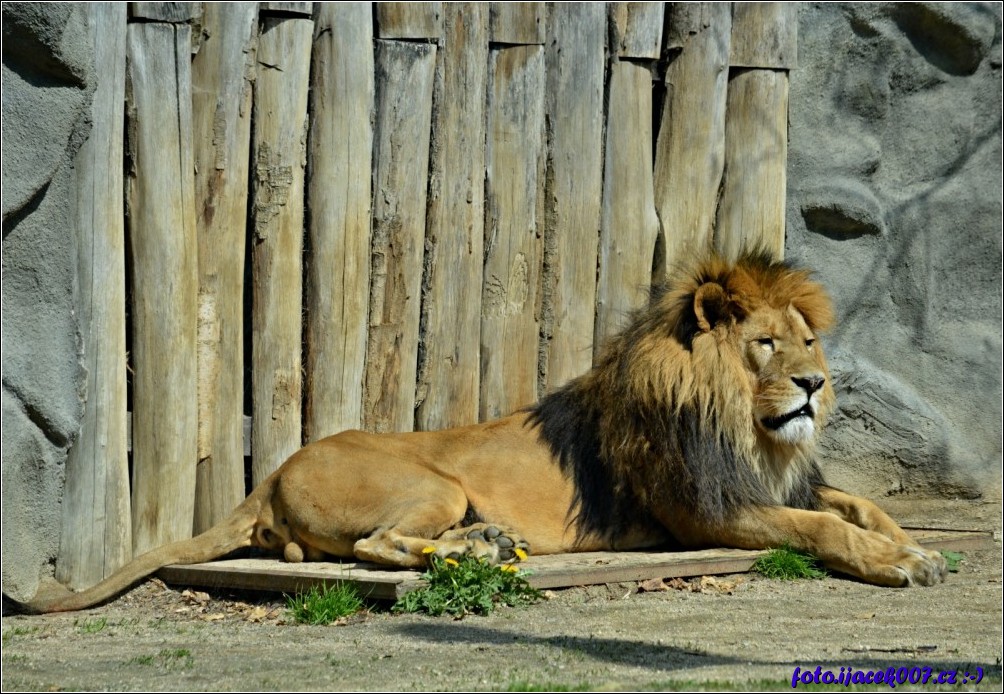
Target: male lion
695,428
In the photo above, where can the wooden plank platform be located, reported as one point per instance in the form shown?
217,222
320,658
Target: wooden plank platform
554,571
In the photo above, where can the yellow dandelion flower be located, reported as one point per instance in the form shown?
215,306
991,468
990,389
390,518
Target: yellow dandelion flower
428,550
509,568
451,562
520,553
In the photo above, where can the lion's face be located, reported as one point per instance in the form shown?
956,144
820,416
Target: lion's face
791,387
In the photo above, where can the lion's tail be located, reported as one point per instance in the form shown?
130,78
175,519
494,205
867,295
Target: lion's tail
234,532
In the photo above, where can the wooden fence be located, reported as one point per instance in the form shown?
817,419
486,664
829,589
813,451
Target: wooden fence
392,216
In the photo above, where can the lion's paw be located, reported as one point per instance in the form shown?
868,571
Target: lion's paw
491,542
923,567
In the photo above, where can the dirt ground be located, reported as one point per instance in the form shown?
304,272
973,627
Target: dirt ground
733,632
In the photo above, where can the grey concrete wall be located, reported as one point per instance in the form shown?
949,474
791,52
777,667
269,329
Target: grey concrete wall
47,86
895,198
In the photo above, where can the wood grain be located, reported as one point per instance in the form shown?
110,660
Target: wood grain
162,235
278,151
338,192
96,535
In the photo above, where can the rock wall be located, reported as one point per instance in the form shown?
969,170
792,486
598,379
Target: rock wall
895,199
47,87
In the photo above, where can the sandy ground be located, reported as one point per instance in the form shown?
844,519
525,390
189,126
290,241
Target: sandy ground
742,632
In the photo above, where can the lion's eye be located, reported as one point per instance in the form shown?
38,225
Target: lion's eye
810,343
767,342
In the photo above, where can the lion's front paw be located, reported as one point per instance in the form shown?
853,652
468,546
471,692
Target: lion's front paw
917,566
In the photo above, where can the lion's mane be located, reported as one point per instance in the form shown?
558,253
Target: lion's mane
665,417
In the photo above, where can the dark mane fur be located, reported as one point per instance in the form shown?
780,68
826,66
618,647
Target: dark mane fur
631,450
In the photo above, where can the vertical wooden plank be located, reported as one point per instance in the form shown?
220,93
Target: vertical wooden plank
96,533
164,246
338,189
451,323
764,35
690,153
752,207
510,299
404,79
301,8
574,105
630,225
279,154
637,28
409,20
222,74
518,22
166,11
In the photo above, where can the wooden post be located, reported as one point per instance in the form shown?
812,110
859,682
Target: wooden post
409,20
404,81
574,107
522,23
637,28
279,154
690,154
752,209
164,246
630,225
338,265
449,368
510,299
96,533
222,74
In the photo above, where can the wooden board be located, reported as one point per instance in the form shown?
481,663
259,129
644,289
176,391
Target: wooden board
339,169
690,152
222,74
96,533
409,20
518,22
449,366
553,571
574,108
514,185
279,154
764,35
751,210
166,11
400,179
303,9
637,28
162,234
630,226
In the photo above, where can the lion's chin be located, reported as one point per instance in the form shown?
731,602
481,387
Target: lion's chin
798,426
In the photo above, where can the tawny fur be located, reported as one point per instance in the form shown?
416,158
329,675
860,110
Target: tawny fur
696,428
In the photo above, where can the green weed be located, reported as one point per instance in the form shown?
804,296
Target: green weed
467,586
953,559
788,564
324,605
90,626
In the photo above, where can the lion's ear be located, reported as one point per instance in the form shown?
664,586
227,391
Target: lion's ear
713,305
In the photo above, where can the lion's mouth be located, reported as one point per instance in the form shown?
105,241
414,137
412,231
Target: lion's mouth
775,423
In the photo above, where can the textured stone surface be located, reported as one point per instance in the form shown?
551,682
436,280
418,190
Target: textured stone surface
895,199
47,90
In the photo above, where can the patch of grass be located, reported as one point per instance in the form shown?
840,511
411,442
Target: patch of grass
324,605
787,564
467,586
167,657
18,631
521,686
953,559
90,626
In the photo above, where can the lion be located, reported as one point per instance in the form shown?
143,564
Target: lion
695,428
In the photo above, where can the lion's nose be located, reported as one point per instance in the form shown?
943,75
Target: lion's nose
810,384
